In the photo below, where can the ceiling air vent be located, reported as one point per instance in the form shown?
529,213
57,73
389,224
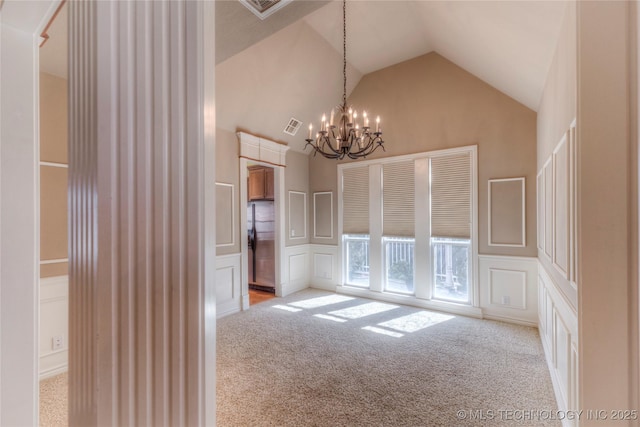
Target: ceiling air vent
293,126
264,8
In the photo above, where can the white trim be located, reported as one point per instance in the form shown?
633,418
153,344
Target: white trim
54,164
565,170
280,234
375,226
264,15
262,150
315,234
540,207
233,304
414,156
304,228
447,307
53,371
525,291
548,200
524,213
233,215
53,261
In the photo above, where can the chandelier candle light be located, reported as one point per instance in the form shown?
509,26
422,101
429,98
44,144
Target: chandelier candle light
347,137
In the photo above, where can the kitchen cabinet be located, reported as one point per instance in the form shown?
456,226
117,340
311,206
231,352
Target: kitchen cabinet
260,183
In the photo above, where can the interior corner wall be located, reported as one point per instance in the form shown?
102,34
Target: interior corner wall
429,103
555,115
228,172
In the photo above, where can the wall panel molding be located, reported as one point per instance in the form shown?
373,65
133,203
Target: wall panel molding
54,314
296,275
228,284
225,201
323,215
509,288
558,324
325,266
507,196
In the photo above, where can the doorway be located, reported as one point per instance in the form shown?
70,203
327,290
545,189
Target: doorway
261,216
262,230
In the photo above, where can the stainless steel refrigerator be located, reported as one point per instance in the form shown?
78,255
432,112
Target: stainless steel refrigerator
261,227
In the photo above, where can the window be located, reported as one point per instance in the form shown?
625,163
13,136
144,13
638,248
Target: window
408,226
357,259
399,264
451,224
451,268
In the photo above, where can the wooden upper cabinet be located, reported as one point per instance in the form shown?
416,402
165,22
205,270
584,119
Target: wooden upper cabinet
268,183
260,183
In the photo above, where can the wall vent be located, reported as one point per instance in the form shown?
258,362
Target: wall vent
293,126
264,8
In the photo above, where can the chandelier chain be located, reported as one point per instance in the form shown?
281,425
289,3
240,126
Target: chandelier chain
344,51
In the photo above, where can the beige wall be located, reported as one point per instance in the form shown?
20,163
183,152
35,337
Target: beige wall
557,111
227,171
296,178
558,104
53,180
604,211
429,103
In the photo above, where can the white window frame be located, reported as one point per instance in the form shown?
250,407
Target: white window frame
423,296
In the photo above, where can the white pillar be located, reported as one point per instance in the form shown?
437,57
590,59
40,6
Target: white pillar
19,225
142,239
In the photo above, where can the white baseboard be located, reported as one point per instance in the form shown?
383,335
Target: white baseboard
53,371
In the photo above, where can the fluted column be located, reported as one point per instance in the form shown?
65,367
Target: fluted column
142,243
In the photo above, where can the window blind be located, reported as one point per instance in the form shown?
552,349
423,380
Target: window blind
451,196
398,194
355,200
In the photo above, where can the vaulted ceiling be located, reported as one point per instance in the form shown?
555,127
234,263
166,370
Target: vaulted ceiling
293,68
290,64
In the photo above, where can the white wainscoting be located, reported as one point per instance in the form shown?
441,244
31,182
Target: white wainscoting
558,325
228,284
508,288
325,272
54,322
295,276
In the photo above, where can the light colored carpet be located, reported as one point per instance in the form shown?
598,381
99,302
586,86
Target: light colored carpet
54,401
285,363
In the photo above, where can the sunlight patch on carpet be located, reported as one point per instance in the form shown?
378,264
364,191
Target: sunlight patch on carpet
383,331
363,310
327,317
416,321
320,301
286,308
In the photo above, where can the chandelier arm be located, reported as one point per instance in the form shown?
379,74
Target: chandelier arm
344,135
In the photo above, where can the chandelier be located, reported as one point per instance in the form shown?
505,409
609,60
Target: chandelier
345,137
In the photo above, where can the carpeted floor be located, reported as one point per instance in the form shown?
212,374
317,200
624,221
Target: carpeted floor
54,401
321,359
